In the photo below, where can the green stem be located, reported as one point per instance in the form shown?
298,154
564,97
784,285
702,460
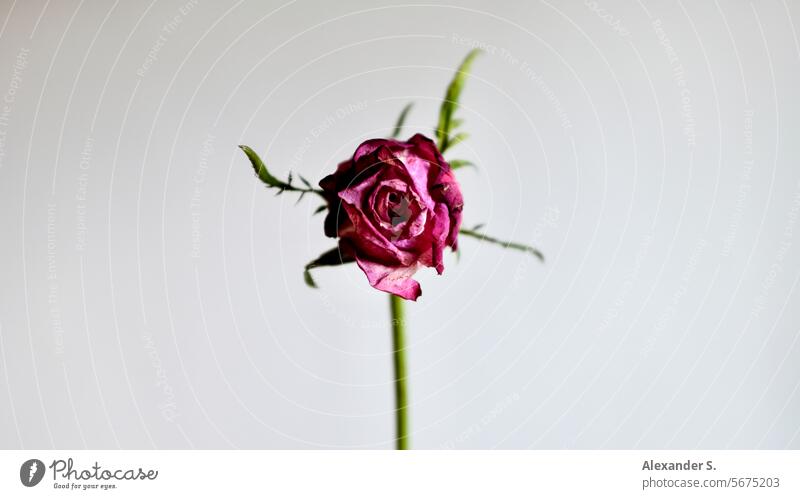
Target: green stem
400,390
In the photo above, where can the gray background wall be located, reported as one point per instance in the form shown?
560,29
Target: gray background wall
151,291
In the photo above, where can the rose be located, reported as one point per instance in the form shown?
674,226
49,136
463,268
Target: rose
395,206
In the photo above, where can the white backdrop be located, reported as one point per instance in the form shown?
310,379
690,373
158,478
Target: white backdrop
151,288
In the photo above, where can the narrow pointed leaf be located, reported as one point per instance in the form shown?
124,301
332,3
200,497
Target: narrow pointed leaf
271,181
261,169
308,279
398,126
461,163
450,103
457,139
330,258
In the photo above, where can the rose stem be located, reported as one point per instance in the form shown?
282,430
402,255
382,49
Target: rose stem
400,391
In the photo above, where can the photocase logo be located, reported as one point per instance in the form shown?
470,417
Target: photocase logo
31,472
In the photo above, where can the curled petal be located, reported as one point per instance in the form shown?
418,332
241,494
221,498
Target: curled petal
394,280
441,226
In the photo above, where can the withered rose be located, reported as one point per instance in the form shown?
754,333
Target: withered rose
395,207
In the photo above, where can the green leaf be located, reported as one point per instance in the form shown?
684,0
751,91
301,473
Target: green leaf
398,126
330,258
461,163
261,169
271,181
320,209
505,244
457,139
450,103
308,279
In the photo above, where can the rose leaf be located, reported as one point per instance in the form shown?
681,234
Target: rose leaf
261,169
398,126
450,103
330,258
461,163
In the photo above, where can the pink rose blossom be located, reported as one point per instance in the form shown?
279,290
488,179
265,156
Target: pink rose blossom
395,206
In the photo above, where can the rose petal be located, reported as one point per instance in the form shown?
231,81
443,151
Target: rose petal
372,242
394,280
445,190
441,226
378,204
426,148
